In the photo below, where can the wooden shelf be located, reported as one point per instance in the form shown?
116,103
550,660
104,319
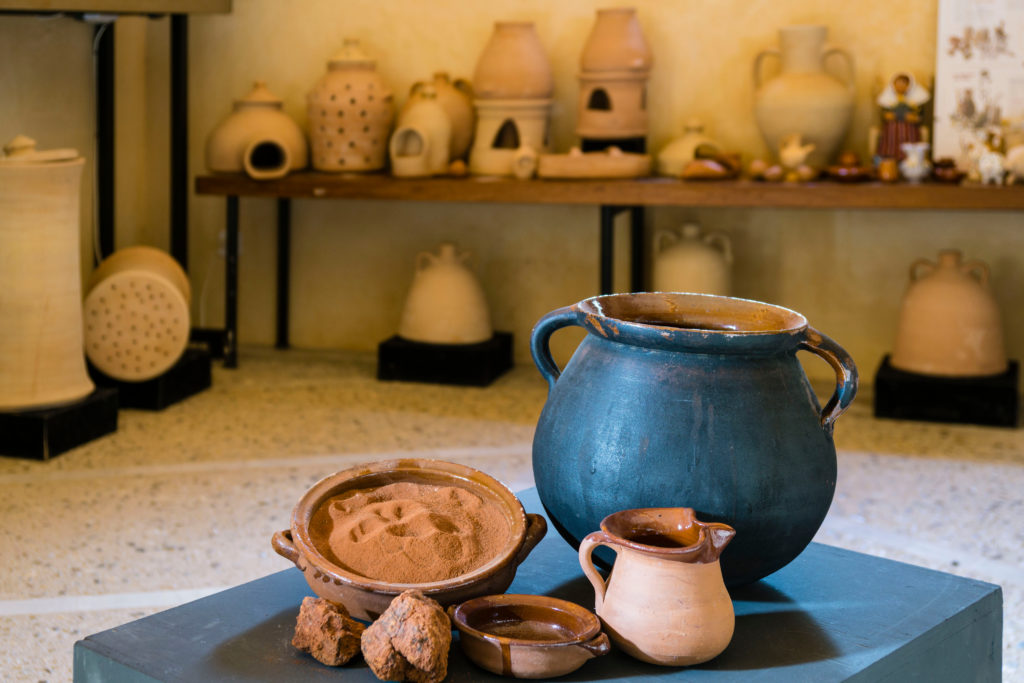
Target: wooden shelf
119,6
643,192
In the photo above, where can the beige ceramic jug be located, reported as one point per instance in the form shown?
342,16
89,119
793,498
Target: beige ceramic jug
688,261
420,144
665,601
456,97
41,359
446,304
949,324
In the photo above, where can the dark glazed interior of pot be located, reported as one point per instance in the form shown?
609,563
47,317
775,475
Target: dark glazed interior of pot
695,312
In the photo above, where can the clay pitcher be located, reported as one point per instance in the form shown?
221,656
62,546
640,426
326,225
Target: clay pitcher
804,99
665,601
690,398
446,304
688,261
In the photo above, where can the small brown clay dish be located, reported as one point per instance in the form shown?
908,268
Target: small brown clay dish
367,598
528,636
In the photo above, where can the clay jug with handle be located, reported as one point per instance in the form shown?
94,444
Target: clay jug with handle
688,261
665,601
446,304
804,99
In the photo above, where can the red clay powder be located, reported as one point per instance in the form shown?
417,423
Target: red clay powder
408,532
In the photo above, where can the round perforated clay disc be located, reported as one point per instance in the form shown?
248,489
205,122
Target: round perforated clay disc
136,325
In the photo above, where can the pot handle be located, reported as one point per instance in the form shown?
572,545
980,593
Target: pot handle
283,546
587,546
541,335
977,268
771,52
847,57
915,272
598,645
536,528
846,375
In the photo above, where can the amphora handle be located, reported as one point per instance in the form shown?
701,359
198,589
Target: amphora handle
587,546
847,57
540,348
846,375
770,52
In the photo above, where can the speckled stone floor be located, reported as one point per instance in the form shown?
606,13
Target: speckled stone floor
182,503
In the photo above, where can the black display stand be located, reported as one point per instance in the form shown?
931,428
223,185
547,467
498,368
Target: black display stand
190,375
991,401
465,364
631,145
45,433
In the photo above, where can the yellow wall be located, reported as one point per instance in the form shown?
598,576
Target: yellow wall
352,261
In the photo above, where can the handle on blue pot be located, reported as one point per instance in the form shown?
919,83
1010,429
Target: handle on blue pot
541,336
846,374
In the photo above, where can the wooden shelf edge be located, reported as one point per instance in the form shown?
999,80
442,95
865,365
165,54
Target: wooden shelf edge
119,6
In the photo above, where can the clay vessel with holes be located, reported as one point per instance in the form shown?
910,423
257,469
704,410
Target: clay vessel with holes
420,145
445,304
258,137
368,598
950,324
41,359
456,97
351,110
686,260
137,314
665,601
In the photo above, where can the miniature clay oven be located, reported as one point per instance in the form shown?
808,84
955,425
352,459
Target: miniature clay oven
528,636
421,142
137,314
41,359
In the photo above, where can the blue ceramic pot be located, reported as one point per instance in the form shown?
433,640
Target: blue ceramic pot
690,400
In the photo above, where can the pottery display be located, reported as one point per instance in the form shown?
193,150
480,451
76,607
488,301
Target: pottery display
693,144
915,166
614,67
258,137
512,86
848,169
41,359
665,601
445,304
804,99
420,145
456,97
901,106
367,599
944,170
690,398
610,163
528,636
687,261
793,156
350,113
136,314
949,325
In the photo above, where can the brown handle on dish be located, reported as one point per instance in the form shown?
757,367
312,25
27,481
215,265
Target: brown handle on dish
536,527
598,645
451,614
283,546
587,546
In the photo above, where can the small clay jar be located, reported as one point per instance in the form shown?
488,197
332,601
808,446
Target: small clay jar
446,304
420,145
687,261
456,97
350,113
258,137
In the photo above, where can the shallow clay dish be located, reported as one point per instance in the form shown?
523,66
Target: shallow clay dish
367,598
528,636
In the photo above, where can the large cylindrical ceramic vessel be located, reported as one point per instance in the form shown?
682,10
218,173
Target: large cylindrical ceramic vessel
513,65
690,400
41,358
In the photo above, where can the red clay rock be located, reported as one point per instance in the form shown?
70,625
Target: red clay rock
410,641
325,631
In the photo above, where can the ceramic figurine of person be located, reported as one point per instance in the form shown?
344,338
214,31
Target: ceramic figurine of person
902,104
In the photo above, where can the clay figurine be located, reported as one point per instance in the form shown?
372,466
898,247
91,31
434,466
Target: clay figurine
902,117
793,156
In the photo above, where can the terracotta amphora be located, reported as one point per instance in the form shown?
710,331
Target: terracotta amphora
804,99
665,601
689,261
950,324
446,304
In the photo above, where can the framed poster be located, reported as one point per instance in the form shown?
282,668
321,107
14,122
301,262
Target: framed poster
979,76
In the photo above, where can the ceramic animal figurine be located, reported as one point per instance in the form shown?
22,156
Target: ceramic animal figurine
456,97
665,601
915,166
793,156
421,144
901,104
688,261
446,304
258,137
693,144
991,167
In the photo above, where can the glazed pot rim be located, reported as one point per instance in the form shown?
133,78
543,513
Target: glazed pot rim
711,540
468,477
460,612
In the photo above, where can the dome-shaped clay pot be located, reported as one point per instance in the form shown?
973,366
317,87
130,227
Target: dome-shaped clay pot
257,138
446,304
513,65
616,43
456,97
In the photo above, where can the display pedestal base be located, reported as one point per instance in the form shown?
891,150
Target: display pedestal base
45,433
190,375
905,395
466,364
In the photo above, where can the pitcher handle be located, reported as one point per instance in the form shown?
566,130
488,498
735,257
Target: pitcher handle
587,546
846,375
977,268
847,57
541,335
770,52
915,268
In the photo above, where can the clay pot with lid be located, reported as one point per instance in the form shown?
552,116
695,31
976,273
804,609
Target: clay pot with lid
258,137
688,261
456,98
351,110
41,358
950,325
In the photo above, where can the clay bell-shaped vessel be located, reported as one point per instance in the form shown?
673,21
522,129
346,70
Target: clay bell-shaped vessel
446,304
351,110
41,359
614,67
456,97
688,261
805,99
421,143
665,601
257,138
137,314
949,324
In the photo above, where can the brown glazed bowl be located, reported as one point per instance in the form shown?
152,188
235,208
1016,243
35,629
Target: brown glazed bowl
528,636
367,598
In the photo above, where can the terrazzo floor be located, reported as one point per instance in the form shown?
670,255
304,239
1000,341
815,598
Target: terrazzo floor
182,503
